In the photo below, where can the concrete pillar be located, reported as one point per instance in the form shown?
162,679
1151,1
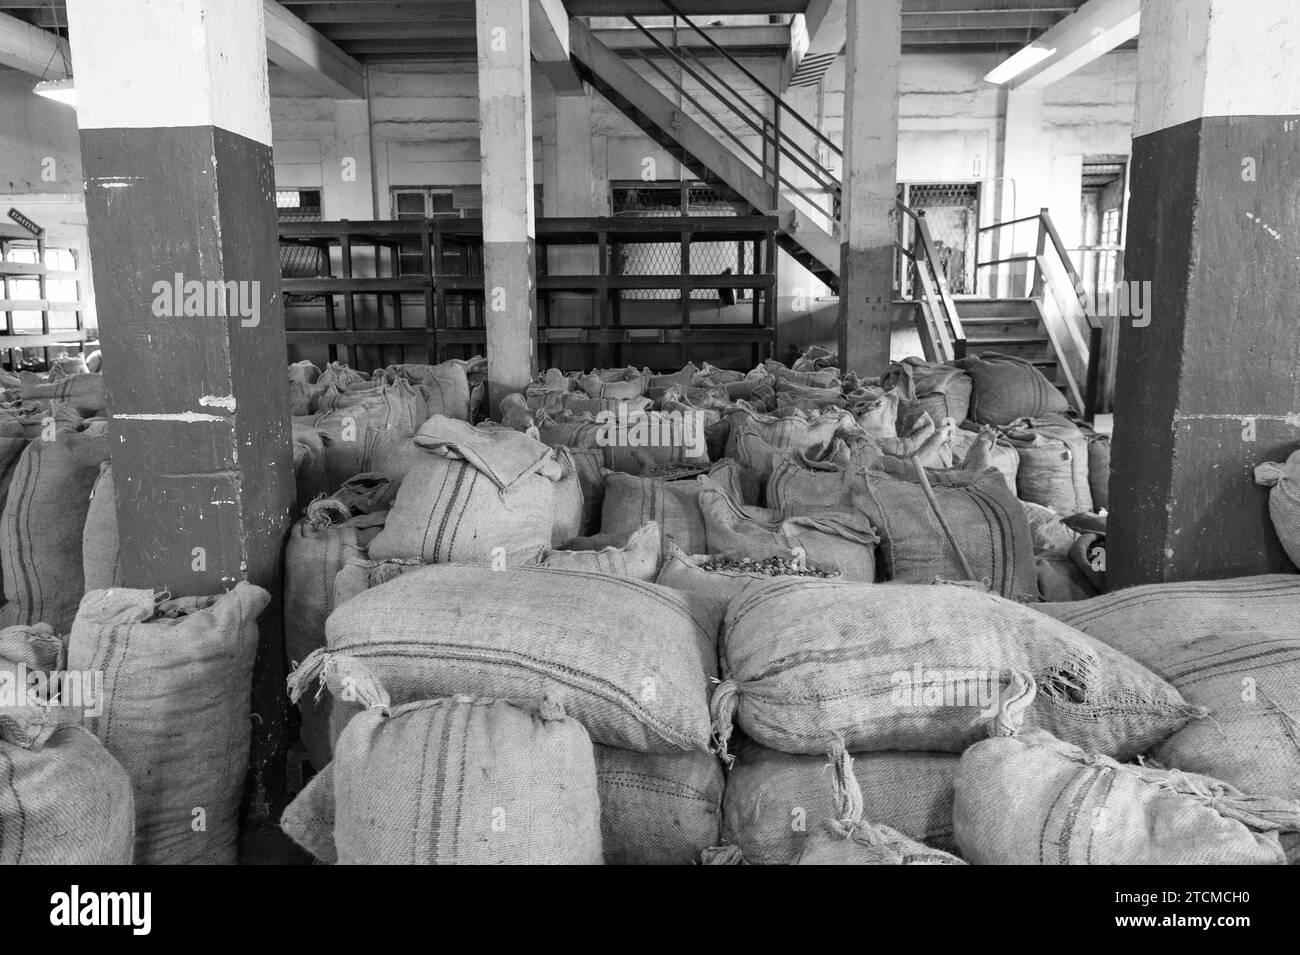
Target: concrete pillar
873,54
575,192
1026,173
1207,388
175,131
506,149
348,190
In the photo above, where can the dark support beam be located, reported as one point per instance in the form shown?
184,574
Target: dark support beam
179,186
1207,386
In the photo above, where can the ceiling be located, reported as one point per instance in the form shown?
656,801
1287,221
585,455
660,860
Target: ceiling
393,30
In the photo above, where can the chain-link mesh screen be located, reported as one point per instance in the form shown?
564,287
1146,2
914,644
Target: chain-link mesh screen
952,215
665,258
299,261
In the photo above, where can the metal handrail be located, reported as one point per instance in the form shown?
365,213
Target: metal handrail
949,328
783,144
776,98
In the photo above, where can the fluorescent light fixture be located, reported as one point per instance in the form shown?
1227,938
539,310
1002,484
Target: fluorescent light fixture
61,91
1023,59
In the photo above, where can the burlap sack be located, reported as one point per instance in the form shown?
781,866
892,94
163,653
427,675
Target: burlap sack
631,442
478,491
973,529
986,448
775,800
1099,469
85,394
1048,532
621,383
1228,645
631,502
43,517
1284,501
391,404
1005,388
808,663
340,375
799,485
309,818
101,558
303,390
658,808
568,518
1060,580
1034,800
843,539
811,378
465,781
343,436
310,477
637,558
850,838
316,551
177,678
1053,463
630,660
444,386
795,432
65,801
941,391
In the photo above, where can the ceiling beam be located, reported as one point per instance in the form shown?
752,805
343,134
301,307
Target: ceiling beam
732,39
548,31
1086,35
383,30
31,49
690,8
911,7
402,11
815,47
302,51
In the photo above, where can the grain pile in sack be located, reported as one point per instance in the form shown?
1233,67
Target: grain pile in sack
621,383
478,489
391,404
630,660
310,477
843,539
335,531
1099,469
303,390
775,800
954,525
85,394
985,448
850,839
101,558
1032,799
658,808
1228,645
177,679
1284,501
941,391
444,387
723,577
808,663
1005,388
637,558
43,518
458,781
63,799
1053,463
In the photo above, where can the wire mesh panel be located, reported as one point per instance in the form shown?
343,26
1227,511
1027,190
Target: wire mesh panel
299,261
951,212
655,199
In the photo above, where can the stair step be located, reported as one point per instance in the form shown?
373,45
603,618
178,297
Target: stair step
1009,341
1000,308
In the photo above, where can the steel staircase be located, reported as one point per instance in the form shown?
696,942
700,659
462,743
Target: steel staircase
806,209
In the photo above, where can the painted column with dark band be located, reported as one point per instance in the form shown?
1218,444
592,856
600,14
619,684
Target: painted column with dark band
506,150
1209,382
175,127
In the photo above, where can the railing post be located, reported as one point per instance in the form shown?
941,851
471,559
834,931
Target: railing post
776,154
1037,286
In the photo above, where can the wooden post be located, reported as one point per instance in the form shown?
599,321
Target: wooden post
873,55
1206,385
176,150
506,150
